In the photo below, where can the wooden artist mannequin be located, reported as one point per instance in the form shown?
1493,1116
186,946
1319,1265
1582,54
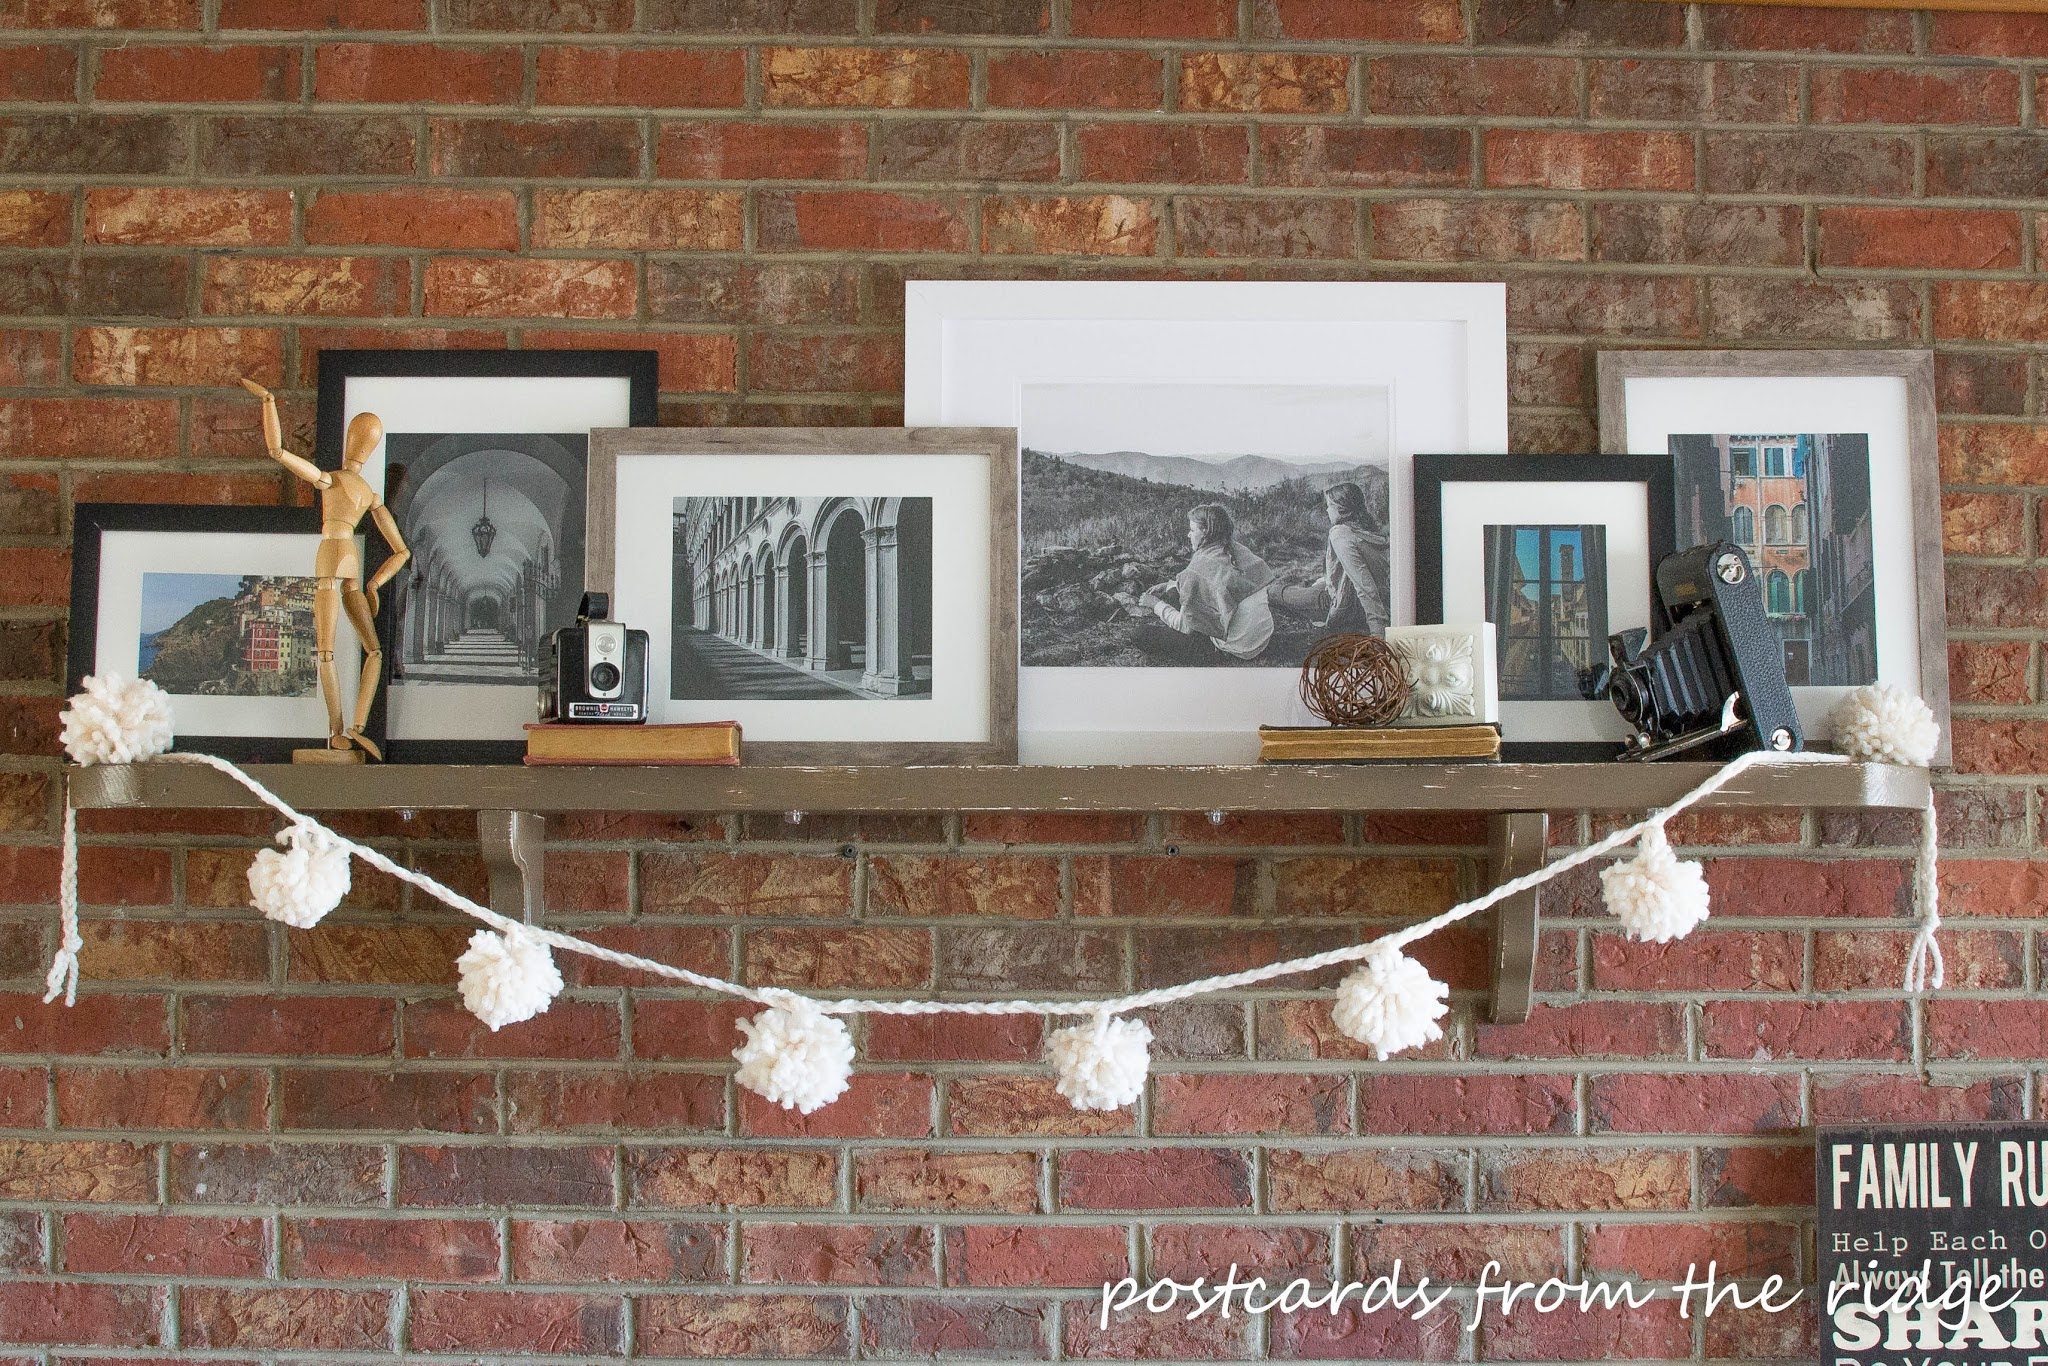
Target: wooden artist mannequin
345,496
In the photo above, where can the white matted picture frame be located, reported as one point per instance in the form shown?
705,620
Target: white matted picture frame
1144,634
846,595
1823,466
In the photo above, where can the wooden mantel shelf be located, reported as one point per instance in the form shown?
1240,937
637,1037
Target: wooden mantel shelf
513,803
1490,788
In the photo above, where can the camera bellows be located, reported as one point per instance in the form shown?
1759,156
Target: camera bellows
1101,1065
1391,1004
506,978
1657,896
795,1055
301,883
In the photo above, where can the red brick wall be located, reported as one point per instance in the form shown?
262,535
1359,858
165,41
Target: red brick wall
245,1140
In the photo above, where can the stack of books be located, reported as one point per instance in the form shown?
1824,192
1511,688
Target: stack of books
700,742
1377,744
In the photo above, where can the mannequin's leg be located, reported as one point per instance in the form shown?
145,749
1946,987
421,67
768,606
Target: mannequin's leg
326,616
365,623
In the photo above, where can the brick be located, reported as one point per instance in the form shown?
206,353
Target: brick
163,1098
1733,1178
1698,234
727,150
1177,886
568,1029
866,220
1811,29
1591,1029
1497,87
691,947
389,1249
177,355
29,725
283,1174
1354,887
940,16
1075,79
1715,1103
1196,1103
1032,1256
1800,164
1153,1178
928,887
1171,154
415,73
289,1318
613,1102
1254,828
324,15
1635,88
1303,1029
32,72
453,220
985,1038
872,959
1717,960
360,286
1315,228
1055,827
1595,1334
1985,1029
582,1325
1981,382
85,429
1999,888
913,1179
22,1247
947,149
1030,958
856,363
1495,230
1137,1334
77,1172
103,14
668,1030
465,1177
1153,19
637,220
34,218
1990,35
729,1327
1991,671
82,1314
927,1327
616,1250
1994,453
1403,21
1573,160
2010,166
120,1024
687,362
1577,1178
1457,1254
546,16
93,144
1186,1251
642,78
463,287
1997,596
875,1105
1764,1031
537,149
331,145
1892,1100
25,797
1986,524
837,1254
734,1178
128,285
1919,239
1583,23
289,1025
156,73
888,78
1975,961
438,1102
1264,82
1975,95
24,1101
1010,1106
2000,746
28,502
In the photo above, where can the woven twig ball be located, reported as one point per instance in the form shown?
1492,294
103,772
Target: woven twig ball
1353,680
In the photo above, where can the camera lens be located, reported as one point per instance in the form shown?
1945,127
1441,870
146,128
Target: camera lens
604,677
1629,696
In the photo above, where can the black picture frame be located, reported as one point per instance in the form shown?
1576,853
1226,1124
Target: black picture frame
337,368
1432,472
90,524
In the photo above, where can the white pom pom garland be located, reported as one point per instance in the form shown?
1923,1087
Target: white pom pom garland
298,885
1391,1004
506,978
1884,724
1656,896
116,720
1101,1065
795,1055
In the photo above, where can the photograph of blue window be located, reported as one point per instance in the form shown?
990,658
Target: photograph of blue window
1546,594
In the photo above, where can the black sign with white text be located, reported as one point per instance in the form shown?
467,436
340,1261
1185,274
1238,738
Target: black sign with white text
1933,1245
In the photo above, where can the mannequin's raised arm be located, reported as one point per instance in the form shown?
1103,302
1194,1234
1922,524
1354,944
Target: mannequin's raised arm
273,440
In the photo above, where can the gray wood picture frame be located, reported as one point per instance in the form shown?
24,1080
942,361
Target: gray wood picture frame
1914,369
997,445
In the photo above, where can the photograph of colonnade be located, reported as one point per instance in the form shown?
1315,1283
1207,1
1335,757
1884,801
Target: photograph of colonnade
802,599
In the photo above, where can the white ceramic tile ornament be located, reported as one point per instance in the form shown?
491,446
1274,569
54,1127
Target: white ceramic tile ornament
1451,674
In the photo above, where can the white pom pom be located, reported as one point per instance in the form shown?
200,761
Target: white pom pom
1885,724
303,882
1656,896
795,1055
116,720
1101,1064
506,978
1391,1003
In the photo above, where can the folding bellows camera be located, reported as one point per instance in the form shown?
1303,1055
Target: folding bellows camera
1713,679
595,670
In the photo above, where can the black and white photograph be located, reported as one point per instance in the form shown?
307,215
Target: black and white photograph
495,524
1546,595
1798,503
1201,526
802,599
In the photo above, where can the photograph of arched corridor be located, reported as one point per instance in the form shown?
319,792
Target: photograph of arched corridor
801,599
495,525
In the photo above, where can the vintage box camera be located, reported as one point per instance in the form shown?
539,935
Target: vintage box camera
1713,680
595,670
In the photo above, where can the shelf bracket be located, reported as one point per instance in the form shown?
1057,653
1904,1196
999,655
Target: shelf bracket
511,842
1518,839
